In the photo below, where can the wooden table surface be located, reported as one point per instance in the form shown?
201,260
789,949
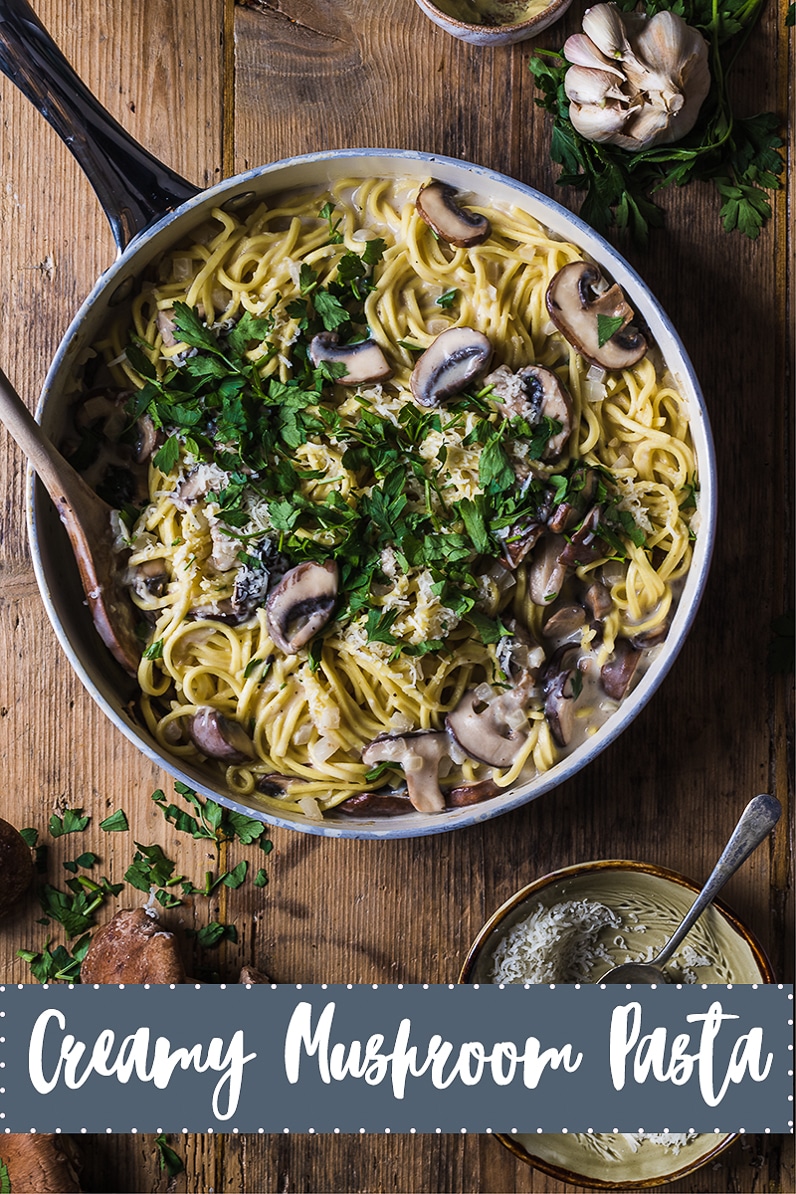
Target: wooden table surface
214,89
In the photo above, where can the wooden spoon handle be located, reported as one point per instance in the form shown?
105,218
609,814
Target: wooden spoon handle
86,518
65,486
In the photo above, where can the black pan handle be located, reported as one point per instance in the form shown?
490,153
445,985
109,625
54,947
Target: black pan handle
134,188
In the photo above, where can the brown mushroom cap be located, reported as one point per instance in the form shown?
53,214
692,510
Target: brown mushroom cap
40,1164
574,302
419,754
132,948
251,976
449,364
220,737
466,794
301,604
436,204
16,866
363,361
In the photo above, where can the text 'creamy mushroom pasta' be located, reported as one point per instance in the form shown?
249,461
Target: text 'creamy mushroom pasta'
404,493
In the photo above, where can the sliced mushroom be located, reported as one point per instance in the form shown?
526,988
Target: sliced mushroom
151,578
363,361
617,673
449,364
276,785
535,393
521,540
147,439
576,297
586,546
486,734
220,737
419,754
194,486
562,686
376,804
466,794
546,572
301,604
598,600
436,204
566,621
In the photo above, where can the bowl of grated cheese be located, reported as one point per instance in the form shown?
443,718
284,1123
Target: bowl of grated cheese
574,925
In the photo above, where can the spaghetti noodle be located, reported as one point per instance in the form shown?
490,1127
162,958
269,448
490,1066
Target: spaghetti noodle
435,521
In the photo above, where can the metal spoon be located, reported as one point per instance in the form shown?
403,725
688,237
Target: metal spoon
86,518
756,822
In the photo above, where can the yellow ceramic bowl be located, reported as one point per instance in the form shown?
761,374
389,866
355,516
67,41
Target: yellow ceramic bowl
631,889
493,22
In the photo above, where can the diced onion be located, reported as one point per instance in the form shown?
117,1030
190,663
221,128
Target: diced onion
413,763
182,269
484,693
322,750
310,808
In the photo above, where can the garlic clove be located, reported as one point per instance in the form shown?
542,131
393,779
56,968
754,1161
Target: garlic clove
644,129
586,86
604,26
599,124
665,42
580,50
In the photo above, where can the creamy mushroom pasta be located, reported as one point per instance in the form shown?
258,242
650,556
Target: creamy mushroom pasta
402,537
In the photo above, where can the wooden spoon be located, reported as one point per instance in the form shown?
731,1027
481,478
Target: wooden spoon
87,519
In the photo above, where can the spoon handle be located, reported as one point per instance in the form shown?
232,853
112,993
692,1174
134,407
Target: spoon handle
756,822
20,423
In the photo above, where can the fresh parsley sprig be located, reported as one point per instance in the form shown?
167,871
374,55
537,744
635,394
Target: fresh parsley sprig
739,155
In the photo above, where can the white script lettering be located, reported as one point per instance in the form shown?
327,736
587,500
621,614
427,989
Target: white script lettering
650,1055
136,1054
447,1063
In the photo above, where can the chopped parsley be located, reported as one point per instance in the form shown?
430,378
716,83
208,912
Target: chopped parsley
222,404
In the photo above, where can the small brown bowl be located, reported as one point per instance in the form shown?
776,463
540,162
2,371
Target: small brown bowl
493,22
596,1161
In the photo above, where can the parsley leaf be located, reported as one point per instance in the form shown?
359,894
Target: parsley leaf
167,1158
115,823
607,325
72,822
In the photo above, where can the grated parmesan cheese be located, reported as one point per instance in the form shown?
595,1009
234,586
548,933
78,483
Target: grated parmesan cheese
555,945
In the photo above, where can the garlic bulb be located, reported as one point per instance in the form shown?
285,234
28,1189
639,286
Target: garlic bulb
635,81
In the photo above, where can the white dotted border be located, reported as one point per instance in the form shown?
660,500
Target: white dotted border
210,1131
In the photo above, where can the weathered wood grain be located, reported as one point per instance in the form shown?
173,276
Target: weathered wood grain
307,75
